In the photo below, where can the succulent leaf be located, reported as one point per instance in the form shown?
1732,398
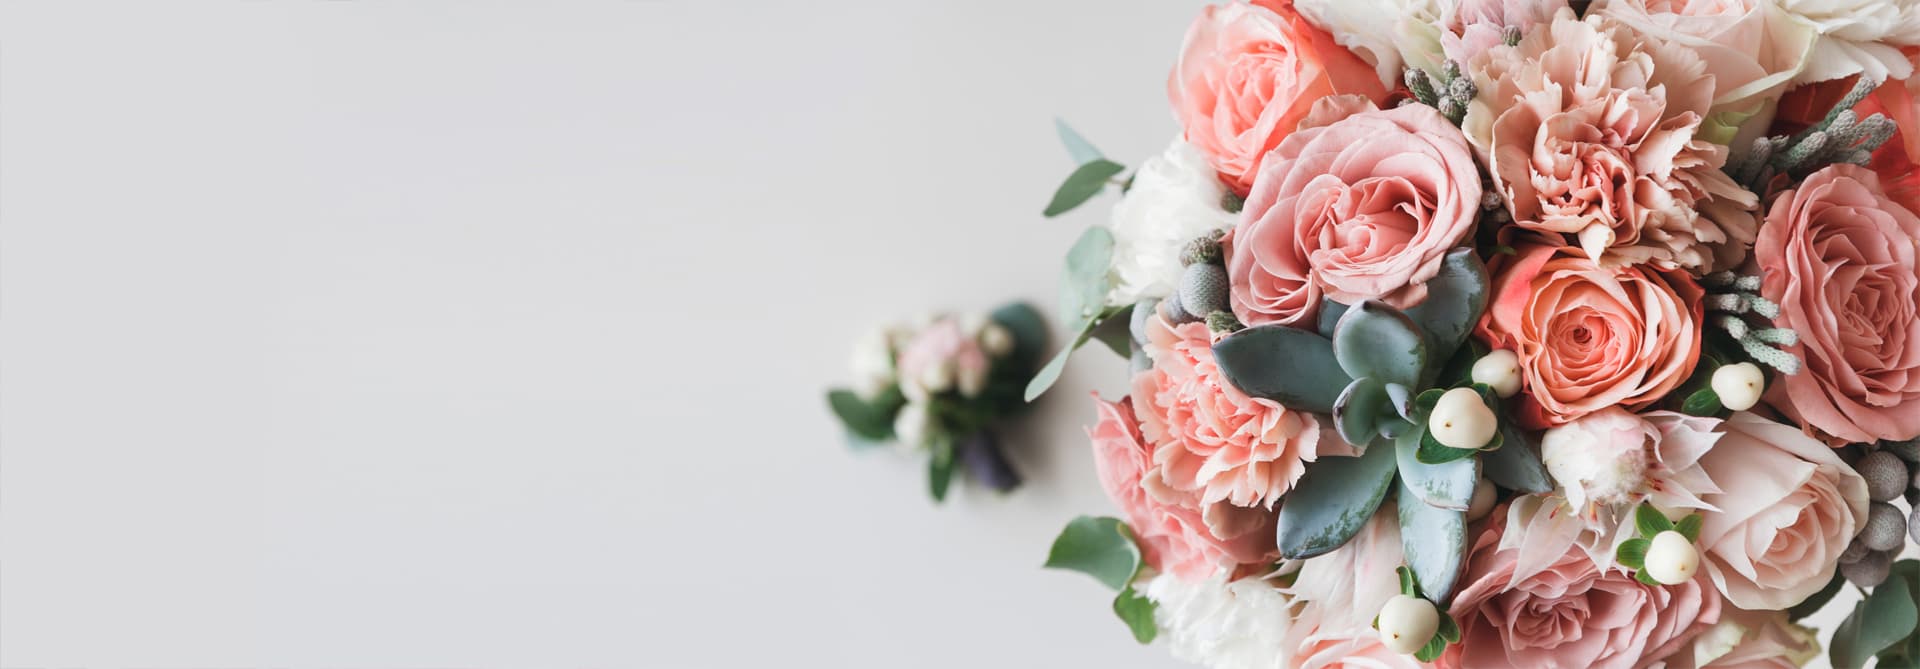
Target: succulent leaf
1434,541
1294,367
1516,466
1455,298
1358,410
1332,501
1377,340
1443,484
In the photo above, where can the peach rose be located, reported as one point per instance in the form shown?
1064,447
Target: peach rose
1788,506
1208,438
1248,73
1366,206
1174,538
1570,614
1839,257
1590,131
1590,337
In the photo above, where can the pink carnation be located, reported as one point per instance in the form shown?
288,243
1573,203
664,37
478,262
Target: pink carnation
1208,438
1174,536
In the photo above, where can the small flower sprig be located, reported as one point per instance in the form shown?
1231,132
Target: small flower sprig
1732,297
1663,553
1451,94
1841,137
1410,624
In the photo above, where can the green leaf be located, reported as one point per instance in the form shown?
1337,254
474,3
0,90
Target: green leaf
1703,402
1813,604
1099,547
940,469
1455,298
1650,521
1435,647
1377,340
1293,367
1029,331
868,421
1633,553
1085,281
1449,629
1424,402
1137,612
1050,374
1885,618
1085,182
1112,330
1447,484
1905,653
1329,317
1641,576
1078,147
1431,451
1515,466
1434,541
1332,501
1358,410
1407,586
1689,526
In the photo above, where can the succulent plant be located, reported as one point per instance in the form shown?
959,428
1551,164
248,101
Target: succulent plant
1377,369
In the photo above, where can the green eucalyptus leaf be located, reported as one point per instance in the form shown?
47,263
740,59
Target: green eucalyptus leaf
1078,147
1137,612
1085,281
871,421
1632,553
1443,484
1886,617
940,468
1907,652
1332,501
1358,410
1434,541
1045,378
1293,367
1377,340
1099,547
1516,466
1112,330
1455,298
1086,181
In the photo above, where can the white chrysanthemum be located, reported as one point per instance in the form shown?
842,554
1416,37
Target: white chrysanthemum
1224,625
1175,197
1412,37
1857,36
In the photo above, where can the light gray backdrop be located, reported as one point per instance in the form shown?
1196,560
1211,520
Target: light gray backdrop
406,334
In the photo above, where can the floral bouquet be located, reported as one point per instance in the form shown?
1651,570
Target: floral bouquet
1508,333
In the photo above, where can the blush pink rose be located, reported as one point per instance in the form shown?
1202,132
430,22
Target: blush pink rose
1585,127
1174,538
1248,73
941,343
1208,438
1787,507
1839,257
1570,615
1590,337
1363,207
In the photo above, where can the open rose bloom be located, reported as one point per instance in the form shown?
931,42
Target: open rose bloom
1515,333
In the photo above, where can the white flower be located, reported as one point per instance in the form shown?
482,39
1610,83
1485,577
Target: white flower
1224,625
872,362
1857,36
1175,197
1411,37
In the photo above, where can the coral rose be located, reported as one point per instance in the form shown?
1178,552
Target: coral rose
1590,337
1208,438
1174,538
1788,507
1839,257
1590,130
1248,73
1570,615
1366,206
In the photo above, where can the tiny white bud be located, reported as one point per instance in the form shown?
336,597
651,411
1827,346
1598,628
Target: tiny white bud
972,379
1672,559
937,378
1500,370
1483,498
1739,385
1407,624
1462,420
1595,238
910,426
995,340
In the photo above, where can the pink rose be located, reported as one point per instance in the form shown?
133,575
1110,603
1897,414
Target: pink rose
1208,438
1589,130
1757,640
1751,48
1590,337
1570,615
1839,257
1174,537
1248,73
1788,507
944,342
1365,207
1474,26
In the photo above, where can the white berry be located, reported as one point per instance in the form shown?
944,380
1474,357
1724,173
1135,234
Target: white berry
1407,624
1500,370
1462,420
1739,385
1672,559
995,340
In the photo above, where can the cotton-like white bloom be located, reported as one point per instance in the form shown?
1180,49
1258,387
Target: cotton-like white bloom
1219,624
1175,197
1857,36
1412,37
